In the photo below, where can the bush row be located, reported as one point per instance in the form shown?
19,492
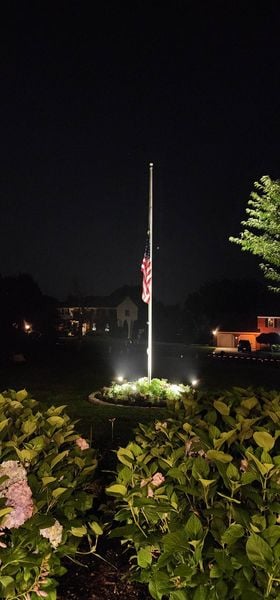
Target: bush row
198,499
195,497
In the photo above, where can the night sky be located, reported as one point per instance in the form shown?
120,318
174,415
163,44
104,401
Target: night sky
89,96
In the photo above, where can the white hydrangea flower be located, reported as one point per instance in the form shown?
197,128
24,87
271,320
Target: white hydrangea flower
53,534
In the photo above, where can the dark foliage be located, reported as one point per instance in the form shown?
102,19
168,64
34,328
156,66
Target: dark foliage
227,304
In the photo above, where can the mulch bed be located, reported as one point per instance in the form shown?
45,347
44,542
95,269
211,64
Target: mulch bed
100,580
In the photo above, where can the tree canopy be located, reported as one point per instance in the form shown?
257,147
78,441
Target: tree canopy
261,234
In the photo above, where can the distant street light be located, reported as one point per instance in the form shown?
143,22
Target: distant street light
214,334
27,327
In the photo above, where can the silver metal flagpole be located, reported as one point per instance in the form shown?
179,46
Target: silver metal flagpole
150,305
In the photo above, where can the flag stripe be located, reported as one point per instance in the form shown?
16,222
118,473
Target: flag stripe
146,269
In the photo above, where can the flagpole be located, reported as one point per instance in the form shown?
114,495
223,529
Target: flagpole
150,305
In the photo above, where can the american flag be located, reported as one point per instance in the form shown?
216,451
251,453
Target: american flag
146,269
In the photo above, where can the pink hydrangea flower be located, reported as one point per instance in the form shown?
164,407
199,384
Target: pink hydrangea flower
144,482
82,443
157,479
19,498
13,470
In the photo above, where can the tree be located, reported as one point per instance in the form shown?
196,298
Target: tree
261,235
226,304
269,339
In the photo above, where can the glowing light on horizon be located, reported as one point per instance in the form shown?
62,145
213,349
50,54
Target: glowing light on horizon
194,382
27,327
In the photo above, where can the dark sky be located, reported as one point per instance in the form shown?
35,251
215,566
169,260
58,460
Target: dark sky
90,95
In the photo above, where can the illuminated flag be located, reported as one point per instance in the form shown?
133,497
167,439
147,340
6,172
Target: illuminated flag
146,269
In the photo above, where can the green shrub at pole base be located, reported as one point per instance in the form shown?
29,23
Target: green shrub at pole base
142,392
198,499
46,496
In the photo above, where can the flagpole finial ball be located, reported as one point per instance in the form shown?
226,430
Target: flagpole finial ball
151,164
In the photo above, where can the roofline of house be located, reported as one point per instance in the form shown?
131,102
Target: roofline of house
88,307
238,331
268,317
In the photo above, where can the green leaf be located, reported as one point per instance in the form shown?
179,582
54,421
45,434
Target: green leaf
21,395
225,436
271,535
264,440
125,456
96,528
57,410
59,457
193,528
259,552
40,521
177,474
216,455
232,473
232,534
221,407
47,480
117,489
135,449
201,593
144,557
78,531
7,582
58,491
249,403
206,482
200,468
5,511
56,421
38,442
26,455
229,498
175,541
4,423
159,585
263,469
29,426
179,595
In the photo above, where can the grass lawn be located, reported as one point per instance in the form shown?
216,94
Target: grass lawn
68,376
71,372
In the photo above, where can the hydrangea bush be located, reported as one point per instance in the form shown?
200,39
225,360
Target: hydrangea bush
46,496
198,499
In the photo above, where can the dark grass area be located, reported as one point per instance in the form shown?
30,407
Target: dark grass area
70,371
67,375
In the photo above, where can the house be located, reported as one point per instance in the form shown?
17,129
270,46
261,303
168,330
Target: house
98,315
230,339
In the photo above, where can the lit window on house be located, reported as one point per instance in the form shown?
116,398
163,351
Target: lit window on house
269,322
